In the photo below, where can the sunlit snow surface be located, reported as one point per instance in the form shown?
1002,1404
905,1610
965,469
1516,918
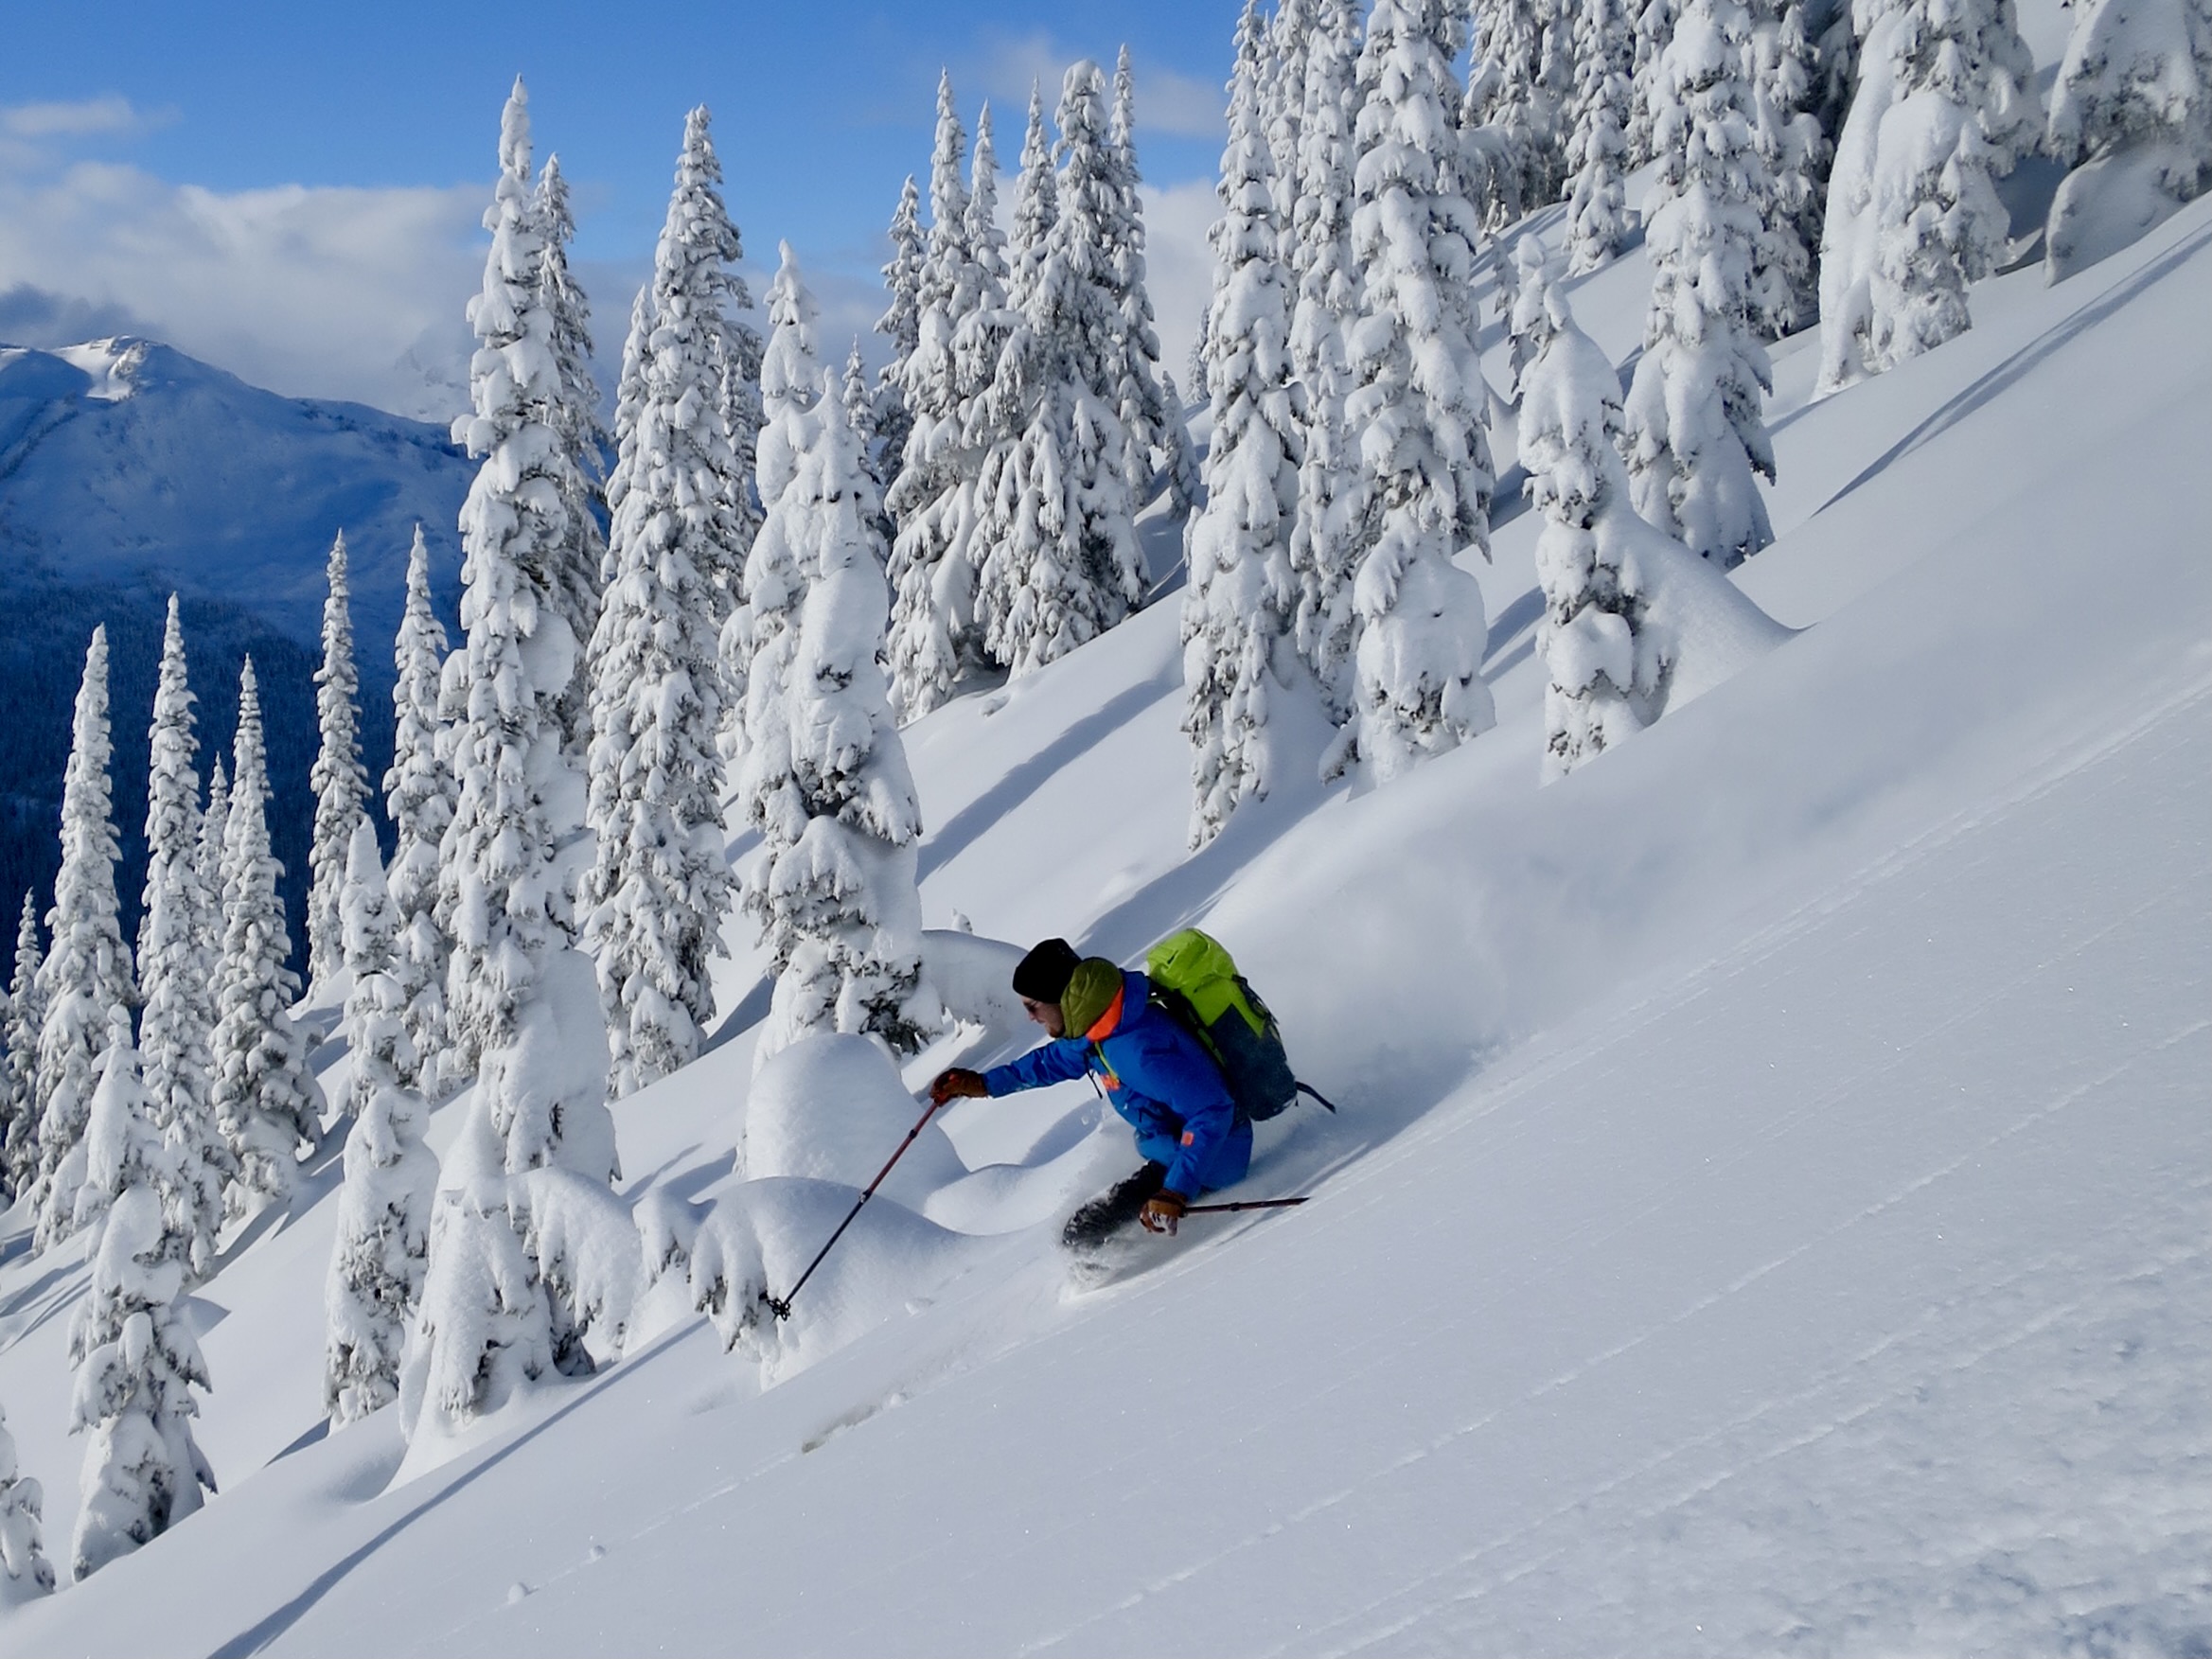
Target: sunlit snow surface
1768,1213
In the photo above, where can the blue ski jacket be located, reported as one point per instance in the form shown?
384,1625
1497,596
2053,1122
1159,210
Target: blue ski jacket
1164,1086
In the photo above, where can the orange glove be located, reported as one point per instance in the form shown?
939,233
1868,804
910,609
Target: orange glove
1163,1211
955,1083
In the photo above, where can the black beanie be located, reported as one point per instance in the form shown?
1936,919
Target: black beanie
1044,973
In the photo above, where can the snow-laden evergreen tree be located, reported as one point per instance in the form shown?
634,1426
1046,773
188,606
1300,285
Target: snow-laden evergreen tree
214,835
1325,539
1647,96
1158,453
338,779
514,982
1284,58
2132,117
136,1359
87,974
576,416
1787,134
836,895
1530,43
26,1018
382,1246
659,884
1569,427
901,322
1945,106
1240,656
22,1533
1062,564
179,950
859,398
418,797
1694,429
1418,403
1597,151
267,1101
932,501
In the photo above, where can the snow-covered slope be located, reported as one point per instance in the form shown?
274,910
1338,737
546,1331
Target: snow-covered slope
1768,1210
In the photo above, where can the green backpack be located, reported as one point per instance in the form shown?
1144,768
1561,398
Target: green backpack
1195,983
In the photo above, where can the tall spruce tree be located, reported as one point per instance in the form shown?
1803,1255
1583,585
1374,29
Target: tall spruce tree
836,897
1945,106
514,980
576,416
901,322
1325,537
1418,403
179,943
267,1101
419,791
931,499
382,1246
87,975
137,1361
1240,656
1794,152
1062,564
27,1016
338,779
1596,150
1158,453
1693,430
660,885
2132,118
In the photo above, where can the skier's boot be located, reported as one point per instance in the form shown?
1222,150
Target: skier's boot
1107,1215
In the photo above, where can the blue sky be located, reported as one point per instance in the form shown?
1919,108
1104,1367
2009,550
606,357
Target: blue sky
203,170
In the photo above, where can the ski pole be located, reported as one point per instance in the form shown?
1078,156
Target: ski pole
1245,1204
781,1306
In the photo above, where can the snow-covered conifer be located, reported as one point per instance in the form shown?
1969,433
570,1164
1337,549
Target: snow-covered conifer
377,1261
1284,61
1693,430
1158,451
1239,650
1062,564
213,832
1419,403
901,322
1945,105
932,499
339,780
836,895
136,1359
1597,151
418,796
1530,43
576,416
1786,134
23,1535
179,943
540,1094
267,1101
658,885
87,974
1655,27
859,399
26,1017
1324,539
2132,117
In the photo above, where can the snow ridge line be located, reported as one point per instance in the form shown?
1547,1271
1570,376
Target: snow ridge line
2159,1264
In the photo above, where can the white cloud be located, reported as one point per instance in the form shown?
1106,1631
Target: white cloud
309,291
84,118
1167,100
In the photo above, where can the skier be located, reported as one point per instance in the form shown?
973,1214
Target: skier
1158,1078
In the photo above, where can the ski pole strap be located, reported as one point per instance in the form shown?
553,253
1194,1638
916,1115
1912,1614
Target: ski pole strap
1246,1204
1309,1088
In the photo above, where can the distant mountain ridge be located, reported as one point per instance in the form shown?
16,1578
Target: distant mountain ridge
128,470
